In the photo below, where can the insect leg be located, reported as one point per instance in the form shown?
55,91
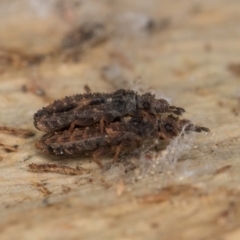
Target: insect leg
72,126
163,136
117,152
102,125
80,122
99,152
128,140
146,115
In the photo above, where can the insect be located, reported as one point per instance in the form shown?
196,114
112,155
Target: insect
87,109
118,137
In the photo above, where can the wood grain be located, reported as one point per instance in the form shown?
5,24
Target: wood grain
191,191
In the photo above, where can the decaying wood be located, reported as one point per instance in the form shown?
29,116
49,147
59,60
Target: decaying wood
58,169
191,190
23,133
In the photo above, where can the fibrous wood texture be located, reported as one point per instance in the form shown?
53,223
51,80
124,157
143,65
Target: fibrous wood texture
187,52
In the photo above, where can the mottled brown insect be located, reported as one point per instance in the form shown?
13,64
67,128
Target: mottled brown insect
118,137
90,108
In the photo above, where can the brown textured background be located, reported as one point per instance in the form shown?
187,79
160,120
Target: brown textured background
190,56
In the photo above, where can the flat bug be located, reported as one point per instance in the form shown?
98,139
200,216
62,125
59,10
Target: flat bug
118,137
87,109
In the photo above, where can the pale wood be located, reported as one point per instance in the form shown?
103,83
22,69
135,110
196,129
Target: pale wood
187,63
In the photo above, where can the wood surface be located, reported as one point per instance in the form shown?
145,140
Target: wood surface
190,189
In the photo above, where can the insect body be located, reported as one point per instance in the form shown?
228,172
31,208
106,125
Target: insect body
118,137
90,108
75,125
